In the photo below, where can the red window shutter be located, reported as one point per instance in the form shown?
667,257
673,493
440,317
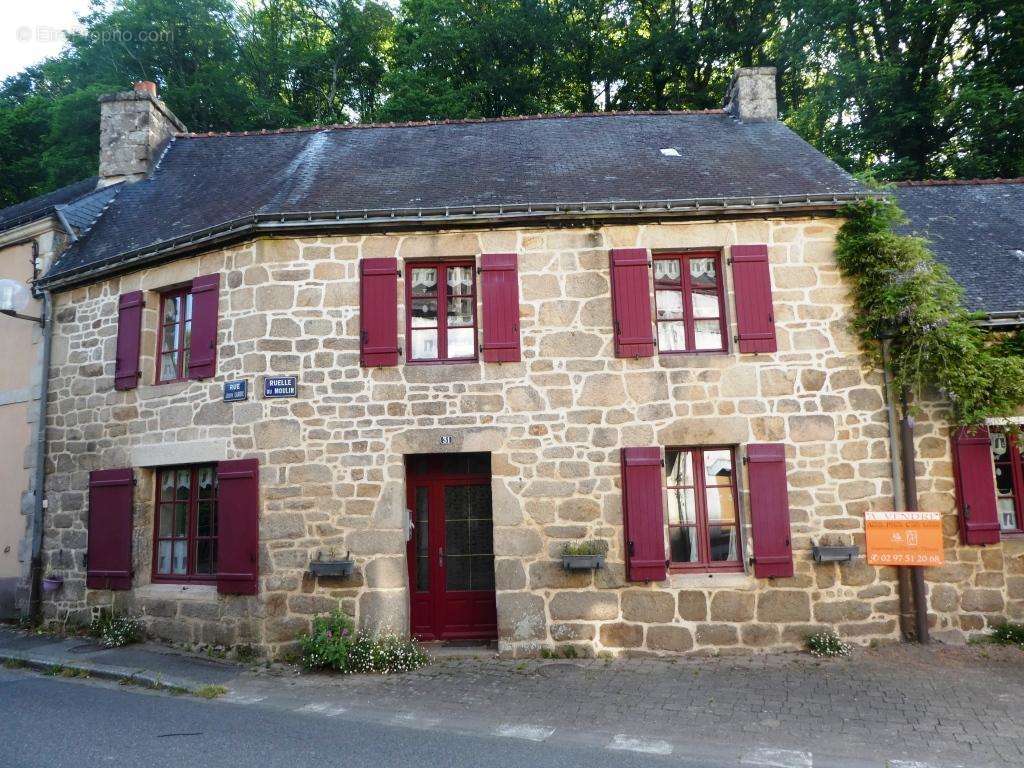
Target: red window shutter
643,514
111,494
974,476
631,303
238,526
378,312
499,276
769,510
752,282
129,334
202,361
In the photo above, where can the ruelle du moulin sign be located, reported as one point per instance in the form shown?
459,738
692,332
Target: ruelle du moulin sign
904,538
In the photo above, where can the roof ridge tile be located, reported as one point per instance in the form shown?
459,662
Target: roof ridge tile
958,182
447,121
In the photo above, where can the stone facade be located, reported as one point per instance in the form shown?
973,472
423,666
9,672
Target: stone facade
332,460
134,127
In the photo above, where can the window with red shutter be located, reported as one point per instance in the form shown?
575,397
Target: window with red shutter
129,335
202,362
631,303
752,283
769,510
378,312
109,548
238,534
643,514
499,278
975,486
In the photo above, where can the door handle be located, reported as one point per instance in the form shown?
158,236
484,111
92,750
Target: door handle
440,557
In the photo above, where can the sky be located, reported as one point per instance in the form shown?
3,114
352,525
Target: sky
32,30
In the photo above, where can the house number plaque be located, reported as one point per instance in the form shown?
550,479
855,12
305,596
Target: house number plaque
447,439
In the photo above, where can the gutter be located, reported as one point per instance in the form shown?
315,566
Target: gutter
995,320
565,214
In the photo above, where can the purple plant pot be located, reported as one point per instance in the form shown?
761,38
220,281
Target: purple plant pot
52,585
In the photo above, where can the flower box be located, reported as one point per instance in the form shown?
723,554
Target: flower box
53,583
331,567
835,554
582,562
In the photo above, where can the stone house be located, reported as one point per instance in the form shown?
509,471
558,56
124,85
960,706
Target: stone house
438,353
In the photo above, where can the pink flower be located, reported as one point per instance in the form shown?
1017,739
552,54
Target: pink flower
329,634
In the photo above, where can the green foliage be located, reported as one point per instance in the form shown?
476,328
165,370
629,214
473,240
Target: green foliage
585,547
335,644
1008,634
210,691
937,347
115,630
827,645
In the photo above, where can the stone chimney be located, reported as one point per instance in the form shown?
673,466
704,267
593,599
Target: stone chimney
134,127
751,96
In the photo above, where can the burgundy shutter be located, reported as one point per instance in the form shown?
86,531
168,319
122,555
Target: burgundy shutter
202,360
378,312
974,475
238,526
631,303
129,334
111,493
643,514
752,282
769,510
499,276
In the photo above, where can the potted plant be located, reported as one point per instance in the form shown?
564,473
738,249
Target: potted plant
332,566
53,582
585,555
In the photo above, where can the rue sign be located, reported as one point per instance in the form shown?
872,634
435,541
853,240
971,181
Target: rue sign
280,386
236,391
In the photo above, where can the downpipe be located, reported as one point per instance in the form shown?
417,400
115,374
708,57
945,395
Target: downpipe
917,585
38,511
903,575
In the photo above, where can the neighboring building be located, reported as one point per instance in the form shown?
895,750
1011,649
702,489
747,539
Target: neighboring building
32,233
504,335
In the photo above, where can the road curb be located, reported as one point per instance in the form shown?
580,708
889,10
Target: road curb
138,677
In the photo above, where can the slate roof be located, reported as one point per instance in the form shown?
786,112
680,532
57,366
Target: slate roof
206,183
44,205
975,228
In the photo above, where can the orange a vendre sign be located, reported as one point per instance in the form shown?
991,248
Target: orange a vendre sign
904,538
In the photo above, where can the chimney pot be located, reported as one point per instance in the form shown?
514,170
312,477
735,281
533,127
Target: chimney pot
146,86
751,96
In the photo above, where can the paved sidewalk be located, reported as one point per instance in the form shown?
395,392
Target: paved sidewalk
938,706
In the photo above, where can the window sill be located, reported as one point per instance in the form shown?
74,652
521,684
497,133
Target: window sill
198,592
165,389
693,352
690,579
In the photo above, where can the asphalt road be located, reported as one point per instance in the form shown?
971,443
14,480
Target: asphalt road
48,722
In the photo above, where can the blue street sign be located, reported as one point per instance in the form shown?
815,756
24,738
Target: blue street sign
280,386
236,391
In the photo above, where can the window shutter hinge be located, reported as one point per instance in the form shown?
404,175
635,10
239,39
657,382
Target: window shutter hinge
729,260
746,460
736,339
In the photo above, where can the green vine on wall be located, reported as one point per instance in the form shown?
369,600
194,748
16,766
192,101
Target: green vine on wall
937,346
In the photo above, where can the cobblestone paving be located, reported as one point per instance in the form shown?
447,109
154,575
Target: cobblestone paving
947,706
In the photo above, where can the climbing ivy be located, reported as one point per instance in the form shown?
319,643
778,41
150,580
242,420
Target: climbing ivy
937,346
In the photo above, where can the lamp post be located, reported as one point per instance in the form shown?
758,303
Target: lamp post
14,297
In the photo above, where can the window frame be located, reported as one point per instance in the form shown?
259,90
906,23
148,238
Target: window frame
1016,465
701,525
181,374
441,265
683,256
191,528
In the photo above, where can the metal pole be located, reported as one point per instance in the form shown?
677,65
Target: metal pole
903,576
36,565
910,486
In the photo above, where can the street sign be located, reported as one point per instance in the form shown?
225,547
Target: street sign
904,538
236,391
280,386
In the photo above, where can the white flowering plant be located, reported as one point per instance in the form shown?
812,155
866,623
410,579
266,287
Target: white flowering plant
827,645
335,644
116,630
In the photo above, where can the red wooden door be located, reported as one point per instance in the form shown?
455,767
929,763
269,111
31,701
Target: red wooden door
451,551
